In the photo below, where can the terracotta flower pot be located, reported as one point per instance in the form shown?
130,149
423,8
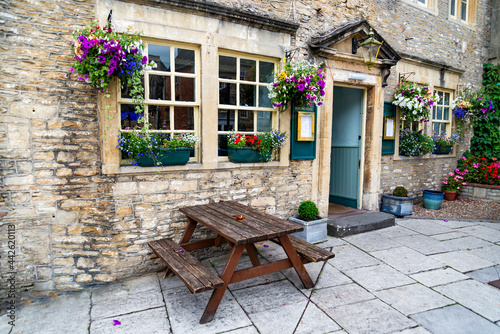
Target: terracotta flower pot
450,195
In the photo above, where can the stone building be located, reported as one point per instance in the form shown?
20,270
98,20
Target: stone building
79,216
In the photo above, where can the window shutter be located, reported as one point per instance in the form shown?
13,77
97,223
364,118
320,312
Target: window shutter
388,144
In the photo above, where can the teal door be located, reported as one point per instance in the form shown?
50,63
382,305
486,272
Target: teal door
346,146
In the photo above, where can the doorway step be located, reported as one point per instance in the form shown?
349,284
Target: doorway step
358,222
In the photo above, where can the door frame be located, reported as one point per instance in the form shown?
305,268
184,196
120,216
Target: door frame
363,134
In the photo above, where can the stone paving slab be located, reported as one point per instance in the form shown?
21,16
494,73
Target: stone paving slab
378,277
396,231
462,261
455,319
373,317
495,226
415,330
152,321
491,253
407,260
132,296
439,277
62,314
424,226
265,297
482,232
449,236
185,309
372,241
453,224
423,244
350,257
243,330
479,297
330,298
466,243
284,318
330,276
485,275
315,320
414,298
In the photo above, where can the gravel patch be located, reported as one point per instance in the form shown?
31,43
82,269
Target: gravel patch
461,209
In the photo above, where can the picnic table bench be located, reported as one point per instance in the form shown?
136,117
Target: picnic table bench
241,234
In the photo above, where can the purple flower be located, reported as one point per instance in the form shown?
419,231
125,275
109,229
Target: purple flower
101,59
276,84
321,84
144,60
116,322
300,87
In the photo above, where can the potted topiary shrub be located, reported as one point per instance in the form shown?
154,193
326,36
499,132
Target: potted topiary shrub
399,204
315,229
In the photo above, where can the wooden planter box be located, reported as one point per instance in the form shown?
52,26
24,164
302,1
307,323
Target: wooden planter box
246,155
166,157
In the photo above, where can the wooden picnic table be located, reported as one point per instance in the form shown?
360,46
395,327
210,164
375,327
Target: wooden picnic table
240,235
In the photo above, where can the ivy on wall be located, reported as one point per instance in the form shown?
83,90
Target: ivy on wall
486,139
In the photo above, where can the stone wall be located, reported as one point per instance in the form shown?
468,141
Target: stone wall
75,226
480,192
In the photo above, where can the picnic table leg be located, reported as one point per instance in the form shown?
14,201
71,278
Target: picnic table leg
226,276
296,262
253,254
188,232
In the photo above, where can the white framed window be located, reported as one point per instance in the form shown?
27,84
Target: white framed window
463,11
441,116
171,92
243,102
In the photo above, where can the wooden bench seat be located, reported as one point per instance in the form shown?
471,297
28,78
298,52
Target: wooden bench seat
308,251
193,273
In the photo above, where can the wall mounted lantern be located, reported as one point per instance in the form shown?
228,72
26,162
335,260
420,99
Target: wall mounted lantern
370,48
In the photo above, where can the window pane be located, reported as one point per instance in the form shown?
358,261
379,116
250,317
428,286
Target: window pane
227,67
264,100
464,10
247,95
125,91
129,117
184,89
446,113
247,69
184,60
184,118
227,93
436,127
434,113
439,113
159,117
453,8
222,146
245,120
266,71
446,99
160,54
264,121
422,1
226,120
159,87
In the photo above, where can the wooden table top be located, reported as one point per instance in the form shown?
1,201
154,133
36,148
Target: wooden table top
255,225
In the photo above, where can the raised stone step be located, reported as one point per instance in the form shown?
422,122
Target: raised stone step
369,221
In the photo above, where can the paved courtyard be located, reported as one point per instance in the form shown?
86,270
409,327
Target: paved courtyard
421,276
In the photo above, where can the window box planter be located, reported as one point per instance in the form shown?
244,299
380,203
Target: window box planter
247,154
399,206
443,150
314,231
166,157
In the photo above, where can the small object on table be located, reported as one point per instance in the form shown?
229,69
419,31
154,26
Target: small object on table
239,217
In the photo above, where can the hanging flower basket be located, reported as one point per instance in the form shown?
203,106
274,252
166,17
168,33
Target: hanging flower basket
414,101
303,83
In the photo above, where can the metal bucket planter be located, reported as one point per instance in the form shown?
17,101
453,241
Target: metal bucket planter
165,157
314,231
433,199
399,206
246,155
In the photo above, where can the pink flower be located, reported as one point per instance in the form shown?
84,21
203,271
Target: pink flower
463,158
451,174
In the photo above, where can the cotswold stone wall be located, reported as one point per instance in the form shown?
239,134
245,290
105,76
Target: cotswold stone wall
74,226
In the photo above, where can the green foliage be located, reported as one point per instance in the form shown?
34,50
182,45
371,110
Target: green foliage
308,211
182,140
400,192
414,143
486,140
